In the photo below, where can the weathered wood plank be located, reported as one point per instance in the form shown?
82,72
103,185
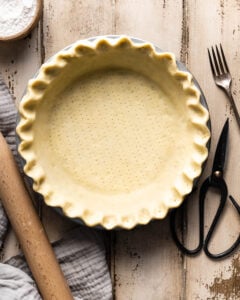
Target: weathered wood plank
146,264
210,23
159,22
63,24
18,62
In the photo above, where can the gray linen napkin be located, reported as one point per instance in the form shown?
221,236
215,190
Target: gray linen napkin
81,253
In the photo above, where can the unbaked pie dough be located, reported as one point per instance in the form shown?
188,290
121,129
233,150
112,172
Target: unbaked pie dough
112,132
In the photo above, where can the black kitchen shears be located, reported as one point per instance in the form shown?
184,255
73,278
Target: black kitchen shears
217,182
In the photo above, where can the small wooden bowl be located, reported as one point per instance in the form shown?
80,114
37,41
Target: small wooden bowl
28,28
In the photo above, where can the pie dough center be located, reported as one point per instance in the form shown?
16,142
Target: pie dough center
113,130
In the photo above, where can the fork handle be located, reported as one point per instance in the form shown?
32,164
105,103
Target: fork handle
232,102
29,230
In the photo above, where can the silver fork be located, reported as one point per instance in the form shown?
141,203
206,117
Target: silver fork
222,76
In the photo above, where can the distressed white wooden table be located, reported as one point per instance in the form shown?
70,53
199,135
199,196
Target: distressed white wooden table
145,264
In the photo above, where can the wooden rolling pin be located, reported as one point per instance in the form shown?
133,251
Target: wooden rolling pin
29,230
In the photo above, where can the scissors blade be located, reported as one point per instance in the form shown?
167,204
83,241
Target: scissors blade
220,154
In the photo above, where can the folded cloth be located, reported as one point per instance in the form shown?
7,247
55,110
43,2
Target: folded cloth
81,253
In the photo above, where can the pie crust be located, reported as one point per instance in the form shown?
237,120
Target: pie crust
112,132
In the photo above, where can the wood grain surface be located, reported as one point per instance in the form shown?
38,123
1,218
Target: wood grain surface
145,263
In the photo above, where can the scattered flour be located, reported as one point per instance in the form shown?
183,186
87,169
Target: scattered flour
15,16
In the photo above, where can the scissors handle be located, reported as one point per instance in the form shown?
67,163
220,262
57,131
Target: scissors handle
179,244
235,245
218,184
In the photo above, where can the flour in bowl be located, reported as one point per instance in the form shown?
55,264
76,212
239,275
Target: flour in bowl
16,15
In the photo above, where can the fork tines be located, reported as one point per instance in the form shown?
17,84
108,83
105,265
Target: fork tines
218,61
222,76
